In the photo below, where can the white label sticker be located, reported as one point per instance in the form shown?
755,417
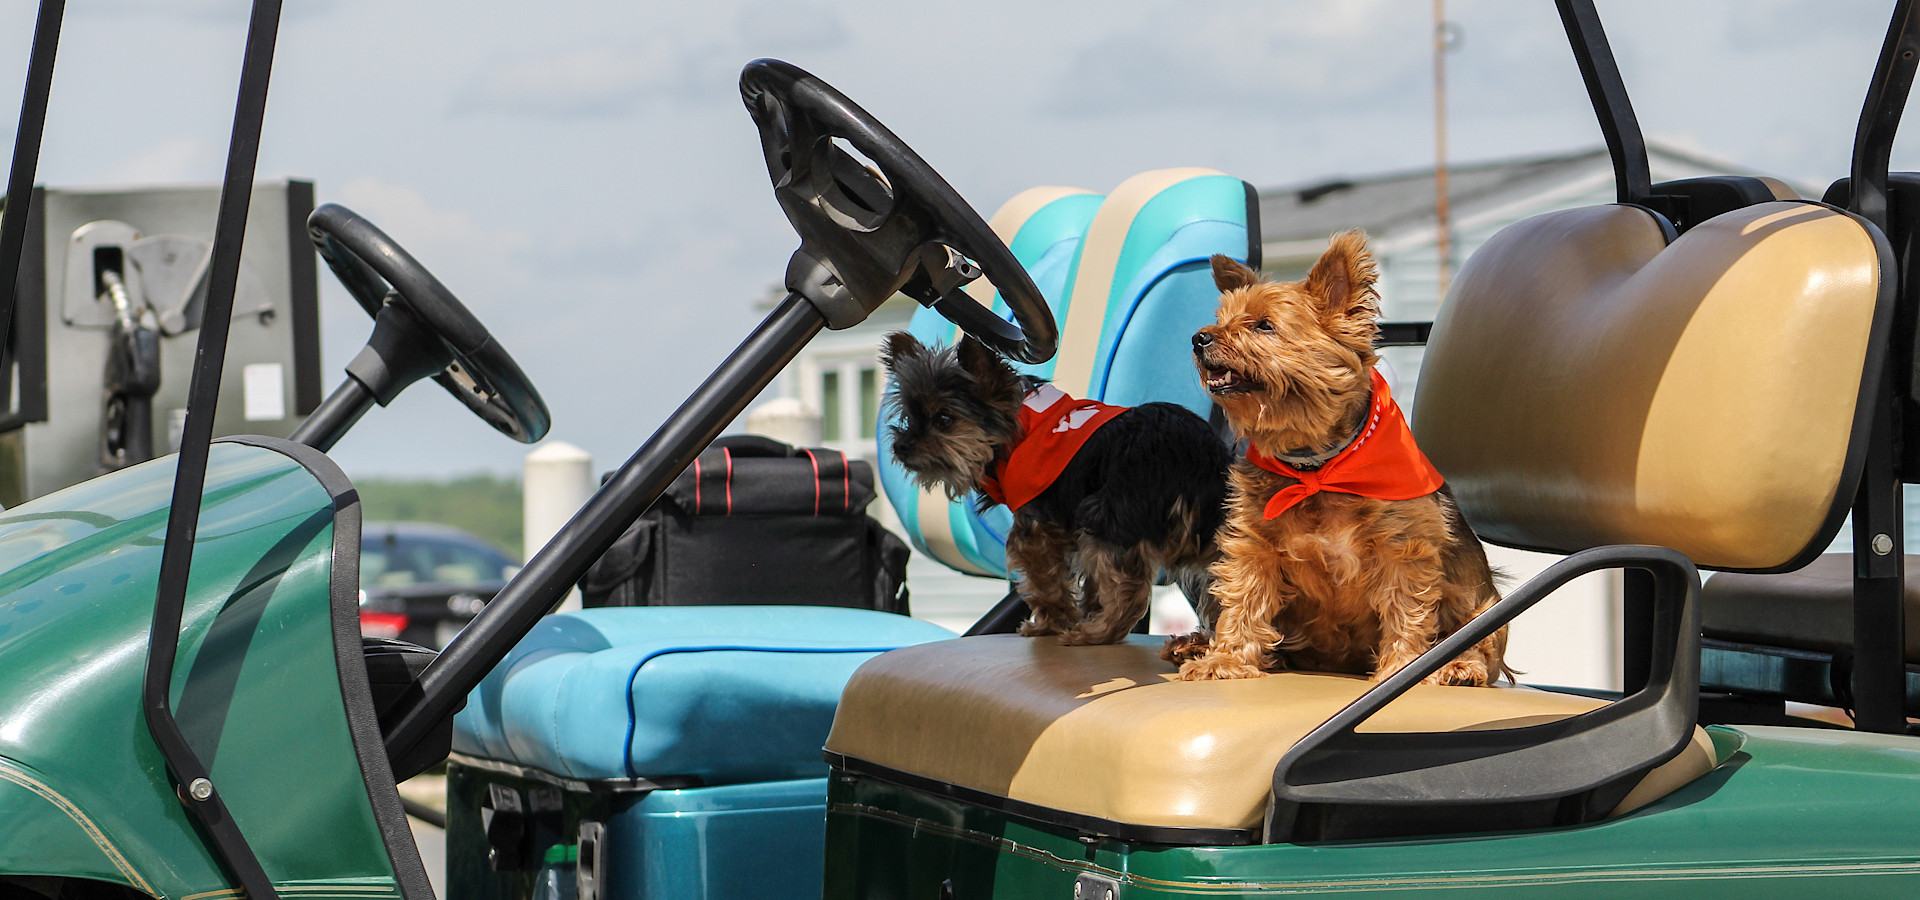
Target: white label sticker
265,387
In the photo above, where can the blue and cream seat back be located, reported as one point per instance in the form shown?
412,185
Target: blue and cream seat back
1126,275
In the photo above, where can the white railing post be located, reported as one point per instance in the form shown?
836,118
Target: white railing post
557,480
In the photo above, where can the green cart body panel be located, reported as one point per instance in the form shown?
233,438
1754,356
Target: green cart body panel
758,840
1790,812
258,688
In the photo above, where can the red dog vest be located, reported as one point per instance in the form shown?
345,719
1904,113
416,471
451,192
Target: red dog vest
1383,462
1053,427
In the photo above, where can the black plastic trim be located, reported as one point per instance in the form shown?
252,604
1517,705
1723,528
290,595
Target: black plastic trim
1340,783
26,150
1816,666
1608,92
363,721
1886,99
1255,241
850,766
577,785
864,234
303,284
422,330
25,354
1005,615
1404,334
190,472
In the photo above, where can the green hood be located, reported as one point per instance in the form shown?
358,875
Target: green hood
270,687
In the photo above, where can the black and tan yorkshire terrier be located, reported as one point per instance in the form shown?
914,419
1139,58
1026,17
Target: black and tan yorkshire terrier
1101,495
1343,550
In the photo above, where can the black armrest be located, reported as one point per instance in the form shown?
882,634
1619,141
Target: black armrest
1404,334
1340,783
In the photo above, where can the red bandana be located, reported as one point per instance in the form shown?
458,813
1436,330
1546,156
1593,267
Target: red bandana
1383,462
1053,426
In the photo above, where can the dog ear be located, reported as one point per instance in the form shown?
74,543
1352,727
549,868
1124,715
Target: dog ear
897,346
1229,274
993,378
1343,277
983,364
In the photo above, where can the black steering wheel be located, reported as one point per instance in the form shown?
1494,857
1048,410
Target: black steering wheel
865,234
421,329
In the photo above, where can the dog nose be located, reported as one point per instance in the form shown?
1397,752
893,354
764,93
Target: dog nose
1201,340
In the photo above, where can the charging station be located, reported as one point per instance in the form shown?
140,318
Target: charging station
111,291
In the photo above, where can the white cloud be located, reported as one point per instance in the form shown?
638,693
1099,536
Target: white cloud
172,160
769,26
203,10
1240,54
593,80
407,215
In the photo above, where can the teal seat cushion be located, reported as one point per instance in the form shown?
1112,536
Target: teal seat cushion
729,694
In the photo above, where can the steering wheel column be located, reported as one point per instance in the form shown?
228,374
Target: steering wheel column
401,351
420,331
864,234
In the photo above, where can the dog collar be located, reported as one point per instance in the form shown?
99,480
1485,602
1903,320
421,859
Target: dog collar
1311,461
1382,462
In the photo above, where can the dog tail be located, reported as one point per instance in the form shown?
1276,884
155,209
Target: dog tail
1498,652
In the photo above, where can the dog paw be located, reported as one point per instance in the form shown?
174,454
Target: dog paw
1217,667
1467,672
1037,629
1183,647
1086,637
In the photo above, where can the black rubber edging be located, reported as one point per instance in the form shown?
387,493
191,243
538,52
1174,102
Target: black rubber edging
363,721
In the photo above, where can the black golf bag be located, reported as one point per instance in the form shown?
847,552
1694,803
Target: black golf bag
755,521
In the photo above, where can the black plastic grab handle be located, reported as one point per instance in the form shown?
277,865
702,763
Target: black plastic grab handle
1605,748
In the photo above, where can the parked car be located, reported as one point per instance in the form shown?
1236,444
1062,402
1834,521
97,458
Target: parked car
421,582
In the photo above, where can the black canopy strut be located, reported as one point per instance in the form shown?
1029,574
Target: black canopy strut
26,157
1879,642
1631,174
199,792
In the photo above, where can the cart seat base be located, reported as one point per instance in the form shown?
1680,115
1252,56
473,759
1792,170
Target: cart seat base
718,694
1104,739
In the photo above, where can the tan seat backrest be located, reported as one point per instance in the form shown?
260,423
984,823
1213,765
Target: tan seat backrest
1588,384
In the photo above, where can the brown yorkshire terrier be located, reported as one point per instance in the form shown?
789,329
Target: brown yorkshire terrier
1101,495
1343,551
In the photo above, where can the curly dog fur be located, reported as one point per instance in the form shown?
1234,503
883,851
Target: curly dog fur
1339,582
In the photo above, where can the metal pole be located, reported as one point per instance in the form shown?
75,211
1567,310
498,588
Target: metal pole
329,421
1442,220
641,480
197,790
1879,555
26,156
1608,94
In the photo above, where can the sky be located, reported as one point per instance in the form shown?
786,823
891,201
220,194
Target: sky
584,176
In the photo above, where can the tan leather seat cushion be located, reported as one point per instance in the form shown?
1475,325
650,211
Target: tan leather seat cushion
1103,732
1589,384
1808,609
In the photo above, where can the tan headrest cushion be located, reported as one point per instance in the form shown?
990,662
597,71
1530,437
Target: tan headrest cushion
1587,384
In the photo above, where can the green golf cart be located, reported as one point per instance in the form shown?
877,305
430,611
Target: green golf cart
1706,373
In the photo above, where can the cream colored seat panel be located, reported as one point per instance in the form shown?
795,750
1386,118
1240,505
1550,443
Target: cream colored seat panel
1103,732
1586,384
1093,285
